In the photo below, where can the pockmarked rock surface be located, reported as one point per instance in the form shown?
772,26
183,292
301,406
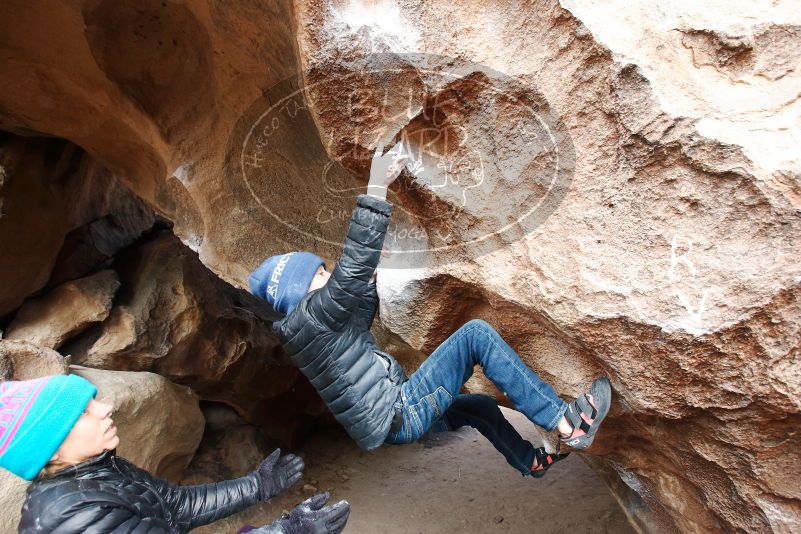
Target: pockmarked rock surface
66,311
671,263
159,423
613,185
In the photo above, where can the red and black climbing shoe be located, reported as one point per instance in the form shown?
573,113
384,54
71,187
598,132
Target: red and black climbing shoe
544,460
586,413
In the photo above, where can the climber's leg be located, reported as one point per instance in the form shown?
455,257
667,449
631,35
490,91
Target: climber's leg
429,392
483,413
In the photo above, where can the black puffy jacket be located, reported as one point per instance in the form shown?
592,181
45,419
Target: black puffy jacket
108,494
328,336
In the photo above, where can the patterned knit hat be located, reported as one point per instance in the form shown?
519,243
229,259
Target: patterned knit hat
284,279
35,418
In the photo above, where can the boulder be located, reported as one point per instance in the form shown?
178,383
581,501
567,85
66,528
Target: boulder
175,318
22,360
587,180
51,189
614,187
159,423
67,310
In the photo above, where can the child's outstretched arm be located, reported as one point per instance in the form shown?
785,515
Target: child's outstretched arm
349,284
340,297
368,306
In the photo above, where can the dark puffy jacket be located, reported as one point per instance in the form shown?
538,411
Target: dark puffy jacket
328,336
109,494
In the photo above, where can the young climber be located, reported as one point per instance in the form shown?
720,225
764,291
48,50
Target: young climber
53,432
326,332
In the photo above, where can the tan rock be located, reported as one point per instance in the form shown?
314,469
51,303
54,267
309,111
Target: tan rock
12,496
67,310
175,318
670,262
22,360
122,99
669,259
159,423
62,215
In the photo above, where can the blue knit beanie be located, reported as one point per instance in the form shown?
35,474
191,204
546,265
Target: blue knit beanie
35,418
284,279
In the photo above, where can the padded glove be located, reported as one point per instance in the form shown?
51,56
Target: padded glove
313,517
310,517
277,473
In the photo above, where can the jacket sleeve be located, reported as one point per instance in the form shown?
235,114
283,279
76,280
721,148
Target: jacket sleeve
81,507
199,505
368,306
273,528
397,374
340,297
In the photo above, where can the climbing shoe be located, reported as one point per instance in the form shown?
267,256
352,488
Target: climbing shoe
586,413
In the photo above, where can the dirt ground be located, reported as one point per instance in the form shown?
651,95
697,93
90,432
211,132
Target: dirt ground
451,483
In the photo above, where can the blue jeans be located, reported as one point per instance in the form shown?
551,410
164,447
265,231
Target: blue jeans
430,399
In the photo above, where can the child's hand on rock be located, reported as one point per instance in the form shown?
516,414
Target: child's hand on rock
385,168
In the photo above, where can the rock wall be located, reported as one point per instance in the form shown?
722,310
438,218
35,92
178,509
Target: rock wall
166,82
63,215
671,262
614,186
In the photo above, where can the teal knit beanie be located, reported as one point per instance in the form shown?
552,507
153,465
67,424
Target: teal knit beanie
35,418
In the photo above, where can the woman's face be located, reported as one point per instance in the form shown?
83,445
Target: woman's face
93,433
320,278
